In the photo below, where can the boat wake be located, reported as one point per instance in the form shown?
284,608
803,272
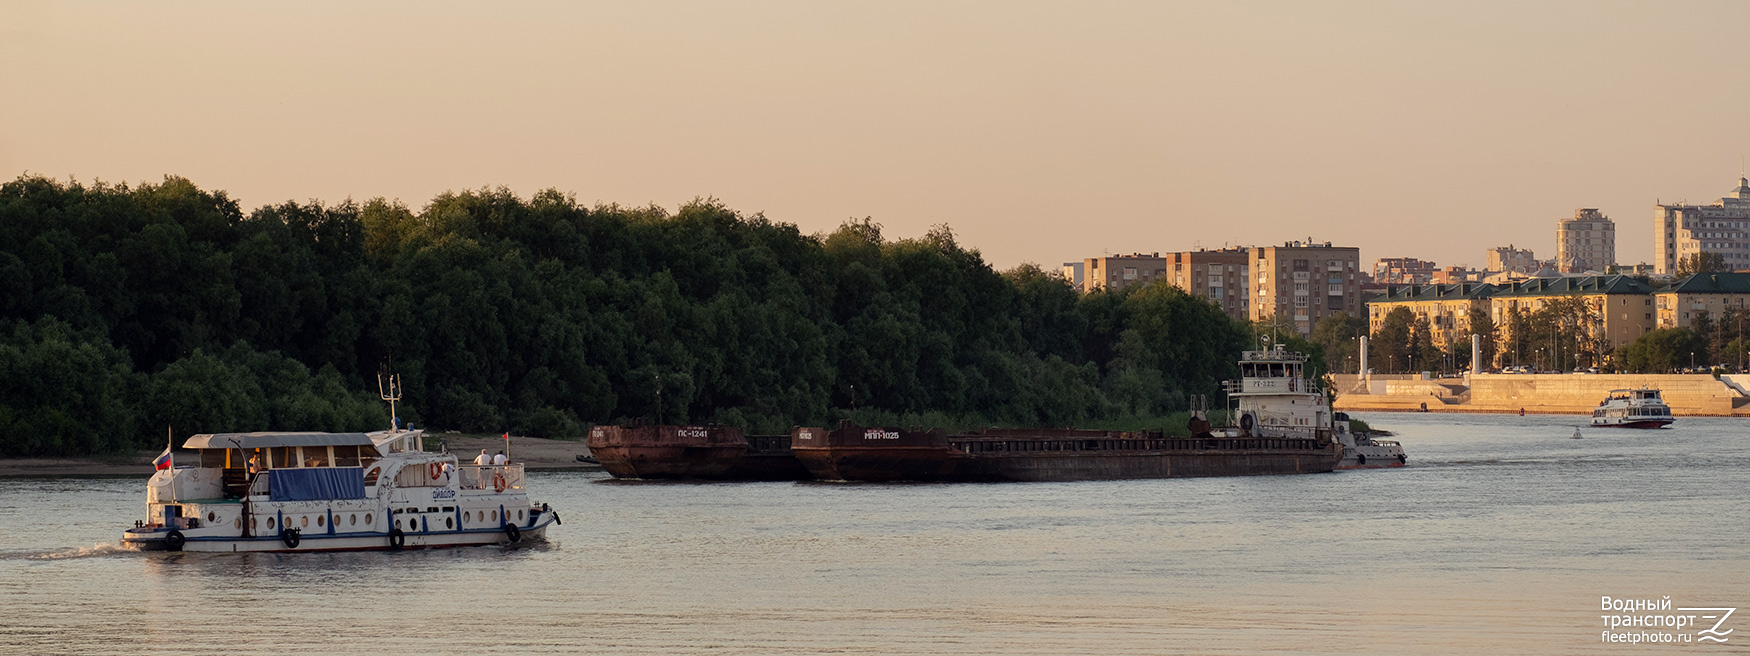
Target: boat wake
97,550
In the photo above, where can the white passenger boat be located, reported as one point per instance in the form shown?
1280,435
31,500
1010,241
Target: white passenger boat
1632,408
331,492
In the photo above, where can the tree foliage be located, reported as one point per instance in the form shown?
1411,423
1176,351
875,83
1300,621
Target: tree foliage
1702,262
126,309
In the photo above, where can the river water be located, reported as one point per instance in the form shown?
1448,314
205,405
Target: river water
1501,537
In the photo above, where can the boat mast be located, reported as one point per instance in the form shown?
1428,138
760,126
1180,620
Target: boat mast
391,393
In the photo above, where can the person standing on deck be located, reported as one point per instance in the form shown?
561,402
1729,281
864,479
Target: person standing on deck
500,459
483,459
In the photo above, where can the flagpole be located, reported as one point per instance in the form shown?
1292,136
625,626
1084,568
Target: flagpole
170,446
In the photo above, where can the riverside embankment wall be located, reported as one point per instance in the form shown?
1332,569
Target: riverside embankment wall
1687,394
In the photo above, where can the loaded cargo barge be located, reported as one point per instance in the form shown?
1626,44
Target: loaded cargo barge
1285,427
853,453
693,452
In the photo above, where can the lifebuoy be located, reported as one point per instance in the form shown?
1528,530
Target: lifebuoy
436,469
498,481
291,537
174,540
511,532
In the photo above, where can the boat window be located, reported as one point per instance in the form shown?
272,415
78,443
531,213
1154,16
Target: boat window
281,457
320,519
304,521
270,523
315,456
371,476
212,458
352,520
346,456
367,518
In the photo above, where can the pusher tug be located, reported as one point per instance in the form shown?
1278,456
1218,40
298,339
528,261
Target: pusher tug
332,492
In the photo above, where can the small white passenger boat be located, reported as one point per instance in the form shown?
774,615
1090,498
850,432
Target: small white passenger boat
1632,408
332,492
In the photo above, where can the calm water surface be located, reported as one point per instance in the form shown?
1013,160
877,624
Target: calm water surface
1501,537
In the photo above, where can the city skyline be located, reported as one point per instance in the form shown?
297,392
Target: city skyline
1039,132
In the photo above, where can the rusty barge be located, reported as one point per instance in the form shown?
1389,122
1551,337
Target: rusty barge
854,453
693,452
1285,427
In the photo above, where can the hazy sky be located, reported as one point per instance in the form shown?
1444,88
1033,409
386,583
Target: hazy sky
1040,132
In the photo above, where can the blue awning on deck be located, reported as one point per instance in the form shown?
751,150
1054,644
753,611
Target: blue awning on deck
307,484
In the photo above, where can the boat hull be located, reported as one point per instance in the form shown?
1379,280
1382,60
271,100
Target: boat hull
692,452
156,540
1642,423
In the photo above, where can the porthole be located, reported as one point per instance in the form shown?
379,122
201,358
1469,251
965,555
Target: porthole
319,520
367,519
352,520
237,523
449,522
495,515
397,523
467,517
270,523
304,522
519,515
212,516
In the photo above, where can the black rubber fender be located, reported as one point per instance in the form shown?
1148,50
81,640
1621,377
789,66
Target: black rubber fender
174,540
556,519
291,537
1403,459
397,539
1361,459
513,533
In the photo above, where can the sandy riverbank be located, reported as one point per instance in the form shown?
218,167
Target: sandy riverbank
535,453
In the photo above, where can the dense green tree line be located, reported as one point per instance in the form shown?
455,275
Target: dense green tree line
125,309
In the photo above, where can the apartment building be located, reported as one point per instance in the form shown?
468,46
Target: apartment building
1115,272
1446,307
1516,260
1681,230
1586,242
1303,282
1681,303
1403,271
1218,275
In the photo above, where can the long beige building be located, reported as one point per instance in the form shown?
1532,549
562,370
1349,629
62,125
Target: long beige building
1304,282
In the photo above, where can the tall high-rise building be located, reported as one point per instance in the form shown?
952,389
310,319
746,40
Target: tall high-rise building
1304,282
1586,242
1681,230
1219,276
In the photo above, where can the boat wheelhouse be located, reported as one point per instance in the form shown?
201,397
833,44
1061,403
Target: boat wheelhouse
1632,408
288,491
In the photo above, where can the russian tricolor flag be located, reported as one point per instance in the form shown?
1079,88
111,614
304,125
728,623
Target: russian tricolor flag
163,461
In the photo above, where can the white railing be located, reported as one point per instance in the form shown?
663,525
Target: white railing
496,478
